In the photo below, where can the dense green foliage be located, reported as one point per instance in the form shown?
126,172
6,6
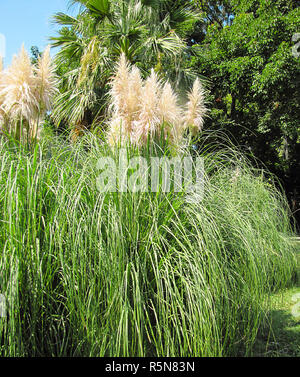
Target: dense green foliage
254,82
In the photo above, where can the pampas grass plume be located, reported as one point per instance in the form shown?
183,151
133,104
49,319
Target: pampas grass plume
17,83
141,109
170,113
195,110
126,88
46,81
26,91
148,121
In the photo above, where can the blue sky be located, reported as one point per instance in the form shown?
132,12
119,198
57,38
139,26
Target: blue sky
28,22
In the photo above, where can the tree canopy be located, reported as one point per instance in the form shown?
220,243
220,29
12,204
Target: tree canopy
254,80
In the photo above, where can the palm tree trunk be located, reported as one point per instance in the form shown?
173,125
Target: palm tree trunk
81,126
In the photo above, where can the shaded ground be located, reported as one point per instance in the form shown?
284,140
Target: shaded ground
283,340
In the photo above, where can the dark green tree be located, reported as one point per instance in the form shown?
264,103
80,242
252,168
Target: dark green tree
35,54
254,81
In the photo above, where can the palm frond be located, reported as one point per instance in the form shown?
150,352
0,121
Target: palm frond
61,18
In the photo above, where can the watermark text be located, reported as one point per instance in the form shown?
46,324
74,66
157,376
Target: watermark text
154,174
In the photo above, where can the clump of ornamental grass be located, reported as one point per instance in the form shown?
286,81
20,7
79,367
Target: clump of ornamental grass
145,109
91,273
26,92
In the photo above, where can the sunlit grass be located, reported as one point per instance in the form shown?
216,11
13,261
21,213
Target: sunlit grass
135,274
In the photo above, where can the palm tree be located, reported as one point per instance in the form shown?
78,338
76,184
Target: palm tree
149,32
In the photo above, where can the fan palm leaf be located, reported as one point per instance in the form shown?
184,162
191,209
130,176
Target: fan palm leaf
147,32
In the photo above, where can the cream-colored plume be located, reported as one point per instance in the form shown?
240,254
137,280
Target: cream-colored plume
26,91
196,110
170,114
120,85
46,81
142,109
17,89
126,87
148,121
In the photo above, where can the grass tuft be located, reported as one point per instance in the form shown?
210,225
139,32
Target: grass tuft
135,274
